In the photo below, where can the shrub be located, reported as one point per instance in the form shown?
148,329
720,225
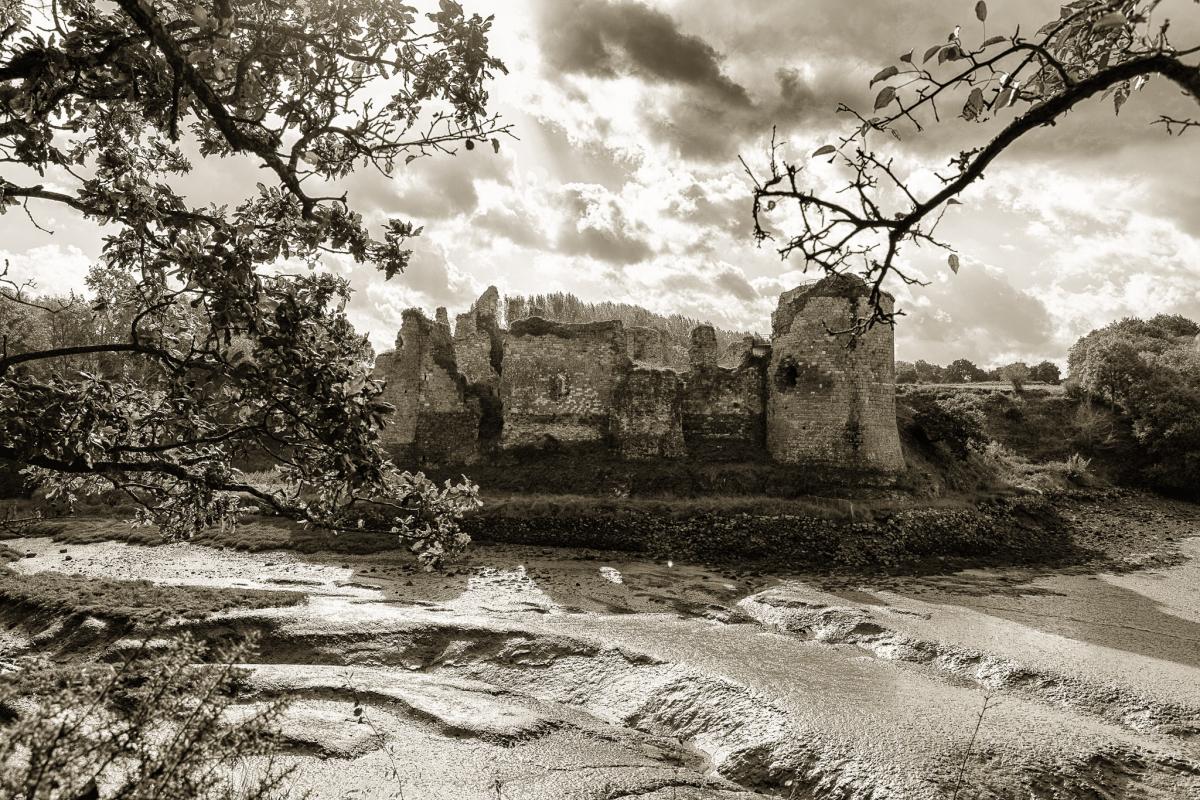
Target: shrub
1093,426
954,421
1016,374
1078,467
156,725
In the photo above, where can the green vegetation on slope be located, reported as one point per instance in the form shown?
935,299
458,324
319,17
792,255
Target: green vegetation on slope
1149,371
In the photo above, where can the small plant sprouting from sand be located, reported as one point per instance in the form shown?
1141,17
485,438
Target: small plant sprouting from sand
962,767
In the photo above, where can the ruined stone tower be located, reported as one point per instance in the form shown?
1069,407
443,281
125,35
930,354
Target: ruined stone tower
827,402
434,420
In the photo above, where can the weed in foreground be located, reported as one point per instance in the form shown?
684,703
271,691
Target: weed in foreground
156,725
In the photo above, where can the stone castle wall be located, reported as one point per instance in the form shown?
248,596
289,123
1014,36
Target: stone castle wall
804,397
723,411
647,422
558,382
827,402
477,340
434,421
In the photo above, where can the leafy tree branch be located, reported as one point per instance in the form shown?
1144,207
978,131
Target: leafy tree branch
196,352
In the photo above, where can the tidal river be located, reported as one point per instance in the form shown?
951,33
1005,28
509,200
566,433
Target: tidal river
544,673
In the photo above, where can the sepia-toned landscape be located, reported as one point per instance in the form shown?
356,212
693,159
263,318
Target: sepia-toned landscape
599,399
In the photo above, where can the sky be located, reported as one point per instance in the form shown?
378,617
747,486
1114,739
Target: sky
624,181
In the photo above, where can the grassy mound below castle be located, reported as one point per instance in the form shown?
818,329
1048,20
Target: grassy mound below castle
798,535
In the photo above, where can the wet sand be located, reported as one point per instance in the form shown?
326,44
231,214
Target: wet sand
553,673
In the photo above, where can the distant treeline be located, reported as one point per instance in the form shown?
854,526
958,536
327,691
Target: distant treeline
566,307
964,371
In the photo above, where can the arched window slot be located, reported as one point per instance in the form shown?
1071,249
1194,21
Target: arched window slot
558,386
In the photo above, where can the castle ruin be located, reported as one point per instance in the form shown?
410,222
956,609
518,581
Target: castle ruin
804,397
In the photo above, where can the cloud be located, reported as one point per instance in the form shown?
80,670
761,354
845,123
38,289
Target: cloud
511,224
441,187
624,183
736,285
622,37
51,269
977,314
598,226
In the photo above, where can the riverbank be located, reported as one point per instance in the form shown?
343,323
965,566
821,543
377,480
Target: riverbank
529,671
1101,529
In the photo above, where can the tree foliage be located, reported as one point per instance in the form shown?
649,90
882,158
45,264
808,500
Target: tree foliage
963,370
210,349
1045,372
1017,81
1150,371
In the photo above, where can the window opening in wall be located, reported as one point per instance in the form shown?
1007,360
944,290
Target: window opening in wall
788,375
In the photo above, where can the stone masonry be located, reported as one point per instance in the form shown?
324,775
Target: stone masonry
804,397
828,402
559,381
435,421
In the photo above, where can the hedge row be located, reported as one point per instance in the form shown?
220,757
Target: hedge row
1012,531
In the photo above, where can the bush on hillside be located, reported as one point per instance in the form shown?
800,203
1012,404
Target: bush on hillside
953,421
1149,370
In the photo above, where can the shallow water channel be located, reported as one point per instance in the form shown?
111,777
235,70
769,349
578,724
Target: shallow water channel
539,673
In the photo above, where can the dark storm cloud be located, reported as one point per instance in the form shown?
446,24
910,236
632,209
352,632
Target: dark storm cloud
607,39
707,115
703,128
710,116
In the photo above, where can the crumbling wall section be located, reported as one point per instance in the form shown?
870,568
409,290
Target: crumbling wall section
830,402
434,421
559,382
723,408
702,350
647,345
724,413
647,421
478,345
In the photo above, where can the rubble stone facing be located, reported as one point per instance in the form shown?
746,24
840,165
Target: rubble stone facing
828,402
724,416
434,421
559,381
477,340
803,398
647,345
648,421
702,354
